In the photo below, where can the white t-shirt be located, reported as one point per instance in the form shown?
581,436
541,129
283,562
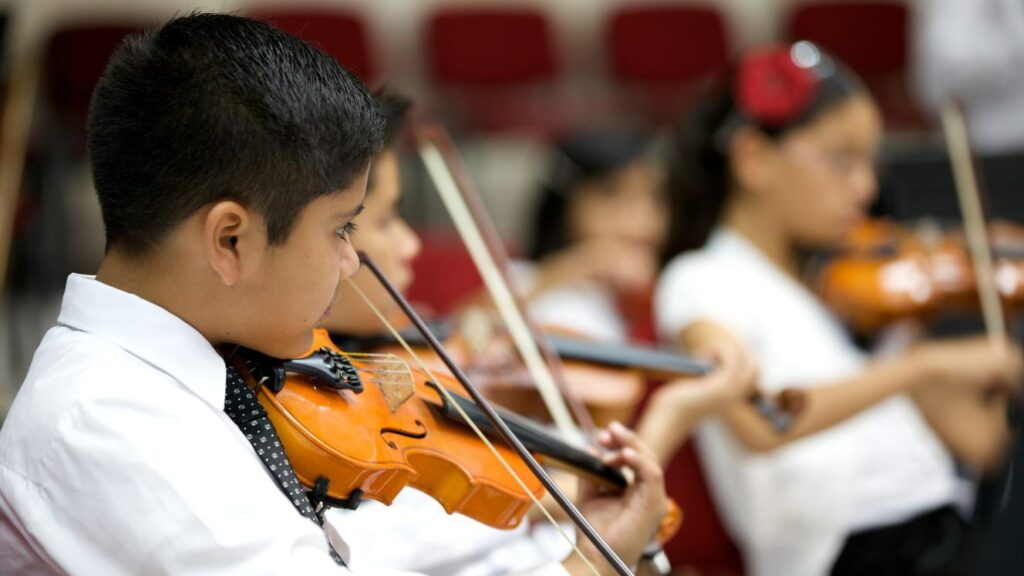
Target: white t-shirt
586,307
791,509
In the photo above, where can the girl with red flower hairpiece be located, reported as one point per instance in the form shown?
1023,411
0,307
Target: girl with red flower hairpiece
778,161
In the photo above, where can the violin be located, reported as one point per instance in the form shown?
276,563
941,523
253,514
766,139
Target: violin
359,425
919,274
368,425
887,272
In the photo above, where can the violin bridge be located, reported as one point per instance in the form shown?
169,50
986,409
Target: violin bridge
392,377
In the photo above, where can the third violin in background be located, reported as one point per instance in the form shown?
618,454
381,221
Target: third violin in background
888,271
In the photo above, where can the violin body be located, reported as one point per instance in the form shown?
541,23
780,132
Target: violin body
887,272
363,448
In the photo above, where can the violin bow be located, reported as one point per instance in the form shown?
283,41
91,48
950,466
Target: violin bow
969,194
483,242
500,426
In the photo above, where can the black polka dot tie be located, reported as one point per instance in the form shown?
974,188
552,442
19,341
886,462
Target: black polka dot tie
241,405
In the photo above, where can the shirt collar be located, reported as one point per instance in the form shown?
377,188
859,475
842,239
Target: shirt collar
146,331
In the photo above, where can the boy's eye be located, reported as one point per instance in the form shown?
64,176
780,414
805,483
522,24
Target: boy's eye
346,230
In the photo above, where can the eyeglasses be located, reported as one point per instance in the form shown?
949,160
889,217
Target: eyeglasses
843,164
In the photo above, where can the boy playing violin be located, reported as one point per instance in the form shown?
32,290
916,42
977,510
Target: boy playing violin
459,545
229,159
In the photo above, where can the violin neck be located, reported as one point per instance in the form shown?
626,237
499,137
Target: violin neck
649,360
534,437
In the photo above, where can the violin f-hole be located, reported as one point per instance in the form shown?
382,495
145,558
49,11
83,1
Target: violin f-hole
417,435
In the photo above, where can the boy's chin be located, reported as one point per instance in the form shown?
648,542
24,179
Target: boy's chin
292,348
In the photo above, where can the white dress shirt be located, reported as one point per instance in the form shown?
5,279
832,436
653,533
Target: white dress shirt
791,509
117,458
435,542
585,307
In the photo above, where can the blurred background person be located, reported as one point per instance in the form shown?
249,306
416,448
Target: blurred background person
778,160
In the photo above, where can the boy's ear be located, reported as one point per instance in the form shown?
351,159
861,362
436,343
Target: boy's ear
230,232
751,155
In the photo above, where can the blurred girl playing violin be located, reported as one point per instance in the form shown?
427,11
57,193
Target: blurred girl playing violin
780,159
454,544
599,227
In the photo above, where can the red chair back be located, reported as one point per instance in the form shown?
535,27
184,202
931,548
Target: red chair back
666,43
702,542
75,58
340,34
842,29
487,46
445,274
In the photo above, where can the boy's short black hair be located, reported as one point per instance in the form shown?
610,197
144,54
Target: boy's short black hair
213,106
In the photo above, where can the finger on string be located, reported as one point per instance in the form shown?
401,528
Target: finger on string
623,436
635,453
642,466
615,458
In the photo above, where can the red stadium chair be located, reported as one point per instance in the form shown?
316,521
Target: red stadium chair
495,67
702,542
487,46
75,57
339,33
872,38
72,59
666,44
662,52
445,274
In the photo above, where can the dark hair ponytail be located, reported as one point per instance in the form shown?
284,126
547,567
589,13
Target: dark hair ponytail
549,221
699,177
775,89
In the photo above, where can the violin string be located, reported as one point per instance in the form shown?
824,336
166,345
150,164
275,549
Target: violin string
469,421
391,365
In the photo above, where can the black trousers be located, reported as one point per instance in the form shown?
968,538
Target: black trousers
927,545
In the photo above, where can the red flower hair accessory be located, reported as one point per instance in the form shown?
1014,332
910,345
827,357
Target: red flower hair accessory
772,87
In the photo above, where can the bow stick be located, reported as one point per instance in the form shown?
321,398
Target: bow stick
969,195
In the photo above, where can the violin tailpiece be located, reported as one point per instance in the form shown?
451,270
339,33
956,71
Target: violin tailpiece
329,368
